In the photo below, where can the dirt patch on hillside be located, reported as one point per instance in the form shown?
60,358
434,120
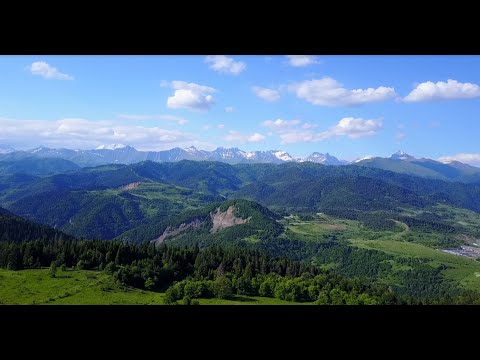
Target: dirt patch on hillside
169,232
223,220
131,186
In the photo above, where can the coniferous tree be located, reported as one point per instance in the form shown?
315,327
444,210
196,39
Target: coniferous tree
52,272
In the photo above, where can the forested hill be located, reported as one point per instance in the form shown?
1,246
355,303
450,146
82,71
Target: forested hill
107,201
220,221
16,229
37,166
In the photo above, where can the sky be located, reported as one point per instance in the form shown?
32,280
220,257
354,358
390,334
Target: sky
348,106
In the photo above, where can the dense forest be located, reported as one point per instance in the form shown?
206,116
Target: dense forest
16,229
187,273
93,202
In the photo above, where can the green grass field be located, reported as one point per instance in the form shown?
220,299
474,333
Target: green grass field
85,287
464,270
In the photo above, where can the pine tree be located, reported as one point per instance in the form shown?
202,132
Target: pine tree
53,270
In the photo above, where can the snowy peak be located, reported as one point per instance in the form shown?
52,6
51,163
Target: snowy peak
229,153
401,155
6,149
368,157
110,147
282,155
192,149
325,159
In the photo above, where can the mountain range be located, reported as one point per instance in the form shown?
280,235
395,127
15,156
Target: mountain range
12,161
121,154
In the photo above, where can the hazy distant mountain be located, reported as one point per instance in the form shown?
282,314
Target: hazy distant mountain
403,163
121,154
400,155
400,162
325,159
6,149
110,147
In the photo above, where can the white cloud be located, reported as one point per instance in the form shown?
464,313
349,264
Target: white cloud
235,136
279,124
229,109
206,127
309,126
452,89
329,92
399,137
178,119
354,128
220,126
224,64
301,60
191,96
256,137
266,94
86,134
472,159
298,136
47,71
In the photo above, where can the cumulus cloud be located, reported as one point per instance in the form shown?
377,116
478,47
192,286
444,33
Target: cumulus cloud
47,71
86,134
191,96
229,109
472,159
266,94
450,90
354,128
225,64
220,126
329,92
301,60
237,137
280,124
178,119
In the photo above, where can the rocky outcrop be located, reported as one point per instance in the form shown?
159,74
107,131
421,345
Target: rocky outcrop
223,220
169,232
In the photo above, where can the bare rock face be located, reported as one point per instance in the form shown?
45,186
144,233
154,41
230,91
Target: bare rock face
131,186
169,232
223,220
220,220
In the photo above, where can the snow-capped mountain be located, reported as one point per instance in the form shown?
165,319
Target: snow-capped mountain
325,159
110,147
400,155
368,157
231,155
282,155
6,149
271,156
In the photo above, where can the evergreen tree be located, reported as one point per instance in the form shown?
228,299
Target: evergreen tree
53,270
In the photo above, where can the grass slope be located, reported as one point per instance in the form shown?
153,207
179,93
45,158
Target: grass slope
399,244
85,287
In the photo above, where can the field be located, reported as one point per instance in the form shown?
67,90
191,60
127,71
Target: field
86,287
402,243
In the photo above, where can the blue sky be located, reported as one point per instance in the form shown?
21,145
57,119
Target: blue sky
349,106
